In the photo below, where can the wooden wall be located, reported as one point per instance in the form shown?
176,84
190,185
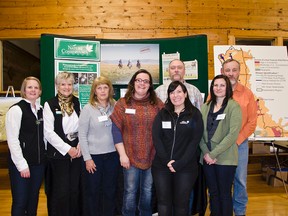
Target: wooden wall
221,20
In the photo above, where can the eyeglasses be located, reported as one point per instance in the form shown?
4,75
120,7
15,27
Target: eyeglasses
145,81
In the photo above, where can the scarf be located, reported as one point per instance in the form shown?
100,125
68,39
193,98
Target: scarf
66,104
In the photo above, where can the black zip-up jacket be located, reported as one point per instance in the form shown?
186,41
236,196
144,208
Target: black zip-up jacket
31,134
177,138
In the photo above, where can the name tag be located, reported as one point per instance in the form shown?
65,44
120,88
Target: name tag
166,125
58,112
130,111
221,116
103,118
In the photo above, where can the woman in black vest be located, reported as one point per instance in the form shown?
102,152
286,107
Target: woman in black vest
63,177
24,128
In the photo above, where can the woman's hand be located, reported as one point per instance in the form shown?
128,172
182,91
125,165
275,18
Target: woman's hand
90,166
209,160
73,152
169,165
124,161
25,173
79,154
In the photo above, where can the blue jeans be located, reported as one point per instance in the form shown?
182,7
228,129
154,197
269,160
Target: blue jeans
137,179
240,196
219,179
100,187
25,191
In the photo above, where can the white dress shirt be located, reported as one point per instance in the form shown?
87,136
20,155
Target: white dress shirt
69,125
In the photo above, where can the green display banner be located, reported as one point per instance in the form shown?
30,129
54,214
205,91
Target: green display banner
76,49
84,94
84,73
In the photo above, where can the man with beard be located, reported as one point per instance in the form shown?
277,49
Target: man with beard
177,73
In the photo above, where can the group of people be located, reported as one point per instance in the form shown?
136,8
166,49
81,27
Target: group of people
159,137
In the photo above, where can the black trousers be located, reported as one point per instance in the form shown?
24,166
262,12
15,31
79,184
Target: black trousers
219,179
173,191
63,182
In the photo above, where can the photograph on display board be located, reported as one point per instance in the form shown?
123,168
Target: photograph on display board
120,61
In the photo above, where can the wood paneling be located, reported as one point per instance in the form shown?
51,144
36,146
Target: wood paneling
121,19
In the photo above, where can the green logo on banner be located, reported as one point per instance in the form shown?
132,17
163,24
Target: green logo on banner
77,49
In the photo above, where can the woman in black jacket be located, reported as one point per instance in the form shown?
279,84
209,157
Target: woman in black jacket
177,131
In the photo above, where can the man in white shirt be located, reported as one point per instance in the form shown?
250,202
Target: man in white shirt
177,73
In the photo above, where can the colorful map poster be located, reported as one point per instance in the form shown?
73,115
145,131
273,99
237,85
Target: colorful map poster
264,69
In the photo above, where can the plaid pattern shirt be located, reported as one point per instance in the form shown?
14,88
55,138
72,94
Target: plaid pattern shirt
193,92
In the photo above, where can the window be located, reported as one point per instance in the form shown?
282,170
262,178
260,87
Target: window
20,60
254,41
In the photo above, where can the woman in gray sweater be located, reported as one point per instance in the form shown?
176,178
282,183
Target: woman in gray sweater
98,150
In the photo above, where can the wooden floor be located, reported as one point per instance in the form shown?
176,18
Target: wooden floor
263,199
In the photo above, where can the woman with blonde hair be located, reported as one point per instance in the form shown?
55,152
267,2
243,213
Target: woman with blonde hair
63,177
24,128
99,153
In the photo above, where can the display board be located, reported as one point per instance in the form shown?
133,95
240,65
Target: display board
191,48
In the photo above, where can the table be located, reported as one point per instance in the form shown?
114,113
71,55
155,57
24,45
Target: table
284,146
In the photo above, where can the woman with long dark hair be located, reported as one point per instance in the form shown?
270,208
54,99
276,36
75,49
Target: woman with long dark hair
132,119
177,131
222,122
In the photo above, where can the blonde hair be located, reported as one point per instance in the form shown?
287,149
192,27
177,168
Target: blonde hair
64,76
24,84
101,80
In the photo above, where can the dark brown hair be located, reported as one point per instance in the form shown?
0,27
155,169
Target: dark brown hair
229,91
131,88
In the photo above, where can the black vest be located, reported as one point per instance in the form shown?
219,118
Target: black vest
31,134
58,129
